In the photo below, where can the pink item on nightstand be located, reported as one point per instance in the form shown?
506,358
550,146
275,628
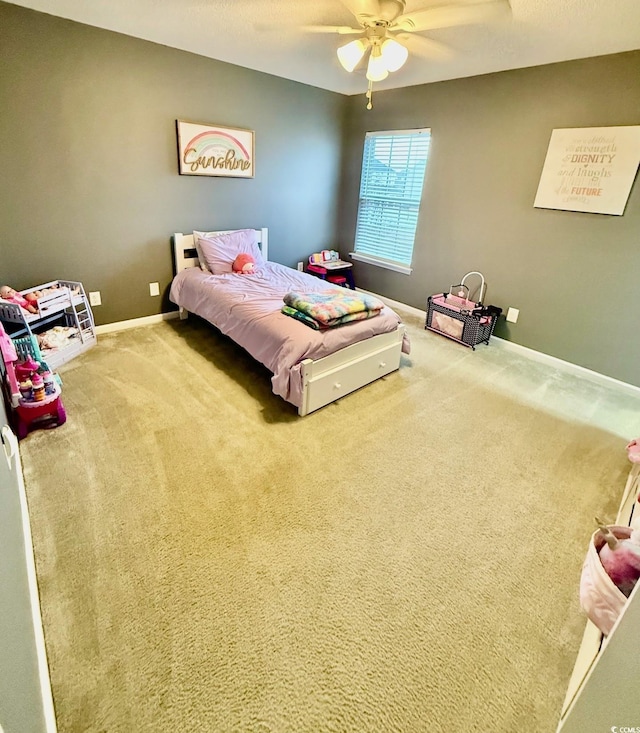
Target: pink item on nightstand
317,269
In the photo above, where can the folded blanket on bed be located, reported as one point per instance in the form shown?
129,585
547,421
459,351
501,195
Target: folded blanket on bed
329,308
309,321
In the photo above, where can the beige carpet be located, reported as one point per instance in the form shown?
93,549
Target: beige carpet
404,560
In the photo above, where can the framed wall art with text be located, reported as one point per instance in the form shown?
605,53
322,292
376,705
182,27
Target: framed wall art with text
213,150
590,169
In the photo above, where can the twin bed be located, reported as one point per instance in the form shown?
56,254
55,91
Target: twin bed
310,368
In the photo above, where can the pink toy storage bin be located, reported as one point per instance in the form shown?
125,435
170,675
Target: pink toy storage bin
457,317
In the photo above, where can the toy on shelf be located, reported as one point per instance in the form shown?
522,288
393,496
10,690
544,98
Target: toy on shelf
327,255
621,558
633,451
37,388
50,297
43,299
611,570
13,296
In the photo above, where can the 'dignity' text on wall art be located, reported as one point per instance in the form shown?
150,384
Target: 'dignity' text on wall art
590,169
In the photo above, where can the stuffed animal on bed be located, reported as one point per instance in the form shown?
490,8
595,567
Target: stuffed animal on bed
243,264
8,293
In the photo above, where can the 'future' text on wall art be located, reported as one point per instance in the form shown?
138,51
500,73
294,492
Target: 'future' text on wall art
589,169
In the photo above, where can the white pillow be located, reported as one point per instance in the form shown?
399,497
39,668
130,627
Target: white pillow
196,237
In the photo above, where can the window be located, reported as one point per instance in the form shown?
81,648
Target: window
393,168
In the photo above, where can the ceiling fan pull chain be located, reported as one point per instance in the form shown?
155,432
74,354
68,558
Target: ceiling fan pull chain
370,95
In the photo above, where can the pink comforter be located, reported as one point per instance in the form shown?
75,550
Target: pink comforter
247,309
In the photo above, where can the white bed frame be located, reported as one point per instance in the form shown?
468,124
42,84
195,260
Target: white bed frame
332,377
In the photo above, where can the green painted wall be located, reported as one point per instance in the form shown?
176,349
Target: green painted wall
575,277
90,189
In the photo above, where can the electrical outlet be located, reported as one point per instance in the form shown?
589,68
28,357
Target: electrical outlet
94,298
301,266
512,315
154,289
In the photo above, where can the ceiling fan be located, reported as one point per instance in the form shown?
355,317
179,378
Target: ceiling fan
386,32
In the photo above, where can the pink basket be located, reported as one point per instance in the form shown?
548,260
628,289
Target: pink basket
600,598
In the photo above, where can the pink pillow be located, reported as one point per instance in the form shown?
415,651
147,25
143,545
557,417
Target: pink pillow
219,251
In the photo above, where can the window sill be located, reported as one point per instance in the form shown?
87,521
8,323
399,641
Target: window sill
386,264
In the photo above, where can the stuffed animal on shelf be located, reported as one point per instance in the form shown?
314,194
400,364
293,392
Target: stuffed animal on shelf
633,451
244,264
621,558
13,296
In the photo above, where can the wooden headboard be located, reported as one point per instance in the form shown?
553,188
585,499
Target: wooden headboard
185,254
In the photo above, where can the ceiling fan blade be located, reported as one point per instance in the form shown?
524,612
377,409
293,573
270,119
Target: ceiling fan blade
363,8
293,28
426,48
447,16
340,29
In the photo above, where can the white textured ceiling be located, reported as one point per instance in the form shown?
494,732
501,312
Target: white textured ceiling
265,35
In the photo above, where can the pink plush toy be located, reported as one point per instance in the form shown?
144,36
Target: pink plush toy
621,558
244,264
633,451
8,293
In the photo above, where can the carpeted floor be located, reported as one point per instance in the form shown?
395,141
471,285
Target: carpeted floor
404,560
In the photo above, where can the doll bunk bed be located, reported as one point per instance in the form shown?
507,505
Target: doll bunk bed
310,368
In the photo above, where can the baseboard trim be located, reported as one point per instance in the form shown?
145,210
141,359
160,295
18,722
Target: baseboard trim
46,691
539,356
567,366
136,322
396,304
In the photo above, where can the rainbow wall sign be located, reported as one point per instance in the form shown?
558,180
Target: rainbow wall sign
208,150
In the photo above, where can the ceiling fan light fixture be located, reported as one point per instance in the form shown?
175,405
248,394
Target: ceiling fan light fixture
376,68
394,54
350,54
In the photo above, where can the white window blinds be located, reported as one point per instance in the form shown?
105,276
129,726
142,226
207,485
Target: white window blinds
393,169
